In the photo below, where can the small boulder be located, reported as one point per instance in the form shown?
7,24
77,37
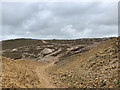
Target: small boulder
45,52
14,50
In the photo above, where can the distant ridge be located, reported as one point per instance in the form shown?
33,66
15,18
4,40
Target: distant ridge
20,42
15,43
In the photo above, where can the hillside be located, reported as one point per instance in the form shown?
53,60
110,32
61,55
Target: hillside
22,74
57,64
97,68
15,43
37,49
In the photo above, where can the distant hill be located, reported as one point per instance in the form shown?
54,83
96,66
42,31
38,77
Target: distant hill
15,43
20,42
31,48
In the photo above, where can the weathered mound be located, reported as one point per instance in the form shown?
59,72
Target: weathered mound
37,49
19,74
96,68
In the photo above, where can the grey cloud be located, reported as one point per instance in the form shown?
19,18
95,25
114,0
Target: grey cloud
59,20
16,13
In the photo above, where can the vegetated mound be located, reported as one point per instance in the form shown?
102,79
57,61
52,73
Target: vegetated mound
20,73
96,68
15,43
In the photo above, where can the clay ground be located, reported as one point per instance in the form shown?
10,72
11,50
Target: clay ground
25,74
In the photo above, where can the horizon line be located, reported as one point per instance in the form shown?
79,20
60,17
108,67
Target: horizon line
60,38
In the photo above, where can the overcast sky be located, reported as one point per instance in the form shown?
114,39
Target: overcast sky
59,20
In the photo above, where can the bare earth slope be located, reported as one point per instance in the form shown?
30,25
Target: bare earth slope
97,68
23,74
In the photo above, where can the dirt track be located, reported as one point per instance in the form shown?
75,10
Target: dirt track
40,71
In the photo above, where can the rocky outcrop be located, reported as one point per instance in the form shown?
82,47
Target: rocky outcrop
44,41
45,52
55,53
54,48
14,50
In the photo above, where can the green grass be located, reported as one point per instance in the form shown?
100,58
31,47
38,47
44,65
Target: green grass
118,82
75,87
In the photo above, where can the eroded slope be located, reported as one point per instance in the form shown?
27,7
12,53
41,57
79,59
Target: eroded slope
21,74
96,68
